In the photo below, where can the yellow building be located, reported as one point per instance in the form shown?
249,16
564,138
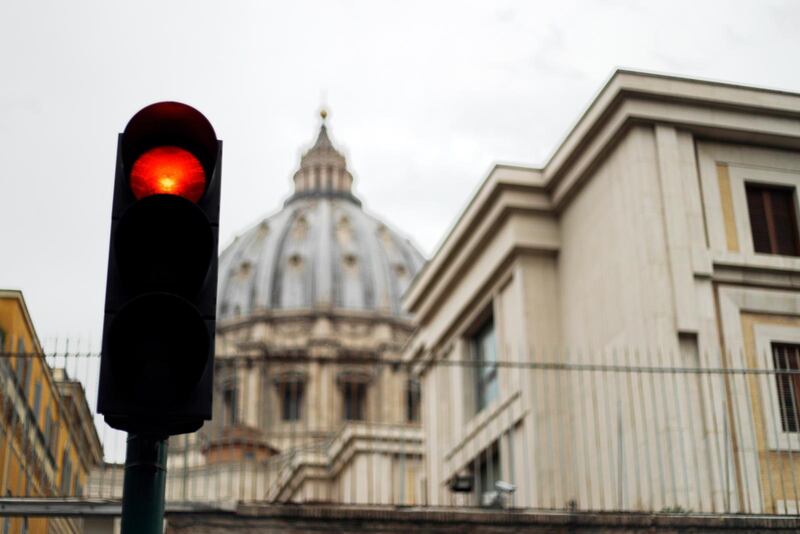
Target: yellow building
48,443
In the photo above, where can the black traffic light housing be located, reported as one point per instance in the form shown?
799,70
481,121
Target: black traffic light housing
156,371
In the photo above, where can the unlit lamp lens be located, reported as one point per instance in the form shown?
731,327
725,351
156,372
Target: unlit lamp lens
168,170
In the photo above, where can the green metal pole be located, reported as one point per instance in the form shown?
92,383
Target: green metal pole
144,485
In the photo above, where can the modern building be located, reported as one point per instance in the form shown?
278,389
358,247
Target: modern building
619,329
48,442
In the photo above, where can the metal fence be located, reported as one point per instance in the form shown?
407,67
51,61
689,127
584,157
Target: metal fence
633,432
629,431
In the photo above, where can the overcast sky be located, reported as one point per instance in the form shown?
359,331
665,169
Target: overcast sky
424,98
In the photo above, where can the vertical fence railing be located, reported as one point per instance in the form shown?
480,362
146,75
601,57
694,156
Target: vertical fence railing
631,431
627,430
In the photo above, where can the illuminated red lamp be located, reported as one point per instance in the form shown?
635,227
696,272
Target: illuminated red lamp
168,170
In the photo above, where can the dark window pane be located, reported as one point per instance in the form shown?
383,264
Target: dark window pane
292,399
785,223
488,471
47,426
354,398
66,473
23,365
229,411
485,351
37,399
413,397
786,357
758,219
773,219
55,431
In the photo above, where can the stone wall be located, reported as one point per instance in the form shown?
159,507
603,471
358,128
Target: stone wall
345,520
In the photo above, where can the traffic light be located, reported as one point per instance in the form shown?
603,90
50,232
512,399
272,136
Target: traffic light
156,370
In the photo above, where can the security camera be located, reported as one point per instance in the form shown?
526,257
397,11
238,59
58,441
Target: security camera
505,487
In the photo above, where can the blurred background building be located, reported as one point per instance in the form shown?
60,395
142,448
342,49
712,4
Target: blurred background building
48,441
307,406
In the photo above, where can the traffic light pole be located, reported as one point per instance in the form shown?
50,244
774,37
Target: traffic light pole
144,485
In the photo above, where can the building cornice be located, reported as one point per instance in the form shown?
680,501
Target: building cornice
626,85
292,315
482,211
725,112
15,294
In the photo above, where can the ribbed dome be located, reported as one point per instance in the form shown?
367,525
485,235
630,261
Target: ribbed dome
321,251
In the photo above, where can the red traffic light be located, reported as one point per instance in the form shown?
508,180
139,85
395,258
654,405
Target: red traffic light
168,170
157,365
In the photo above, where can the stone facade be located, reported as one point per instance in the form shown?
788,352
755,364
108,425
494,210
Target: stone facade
347,520
307,404
632,248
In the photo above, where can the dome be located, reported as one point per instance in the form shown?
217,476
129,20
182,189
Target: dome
321,251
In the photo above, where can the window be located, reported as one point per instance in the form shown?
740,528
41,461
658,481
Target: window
37,399
290,386
773,219
291,400
484,349
786,357
413,397
229,410
488,471
56,436
50,432
48,425
355,394
22,368
66,473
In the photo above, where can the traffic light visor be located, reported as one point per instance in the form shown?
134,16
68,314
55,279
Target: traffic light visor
168,170
165,138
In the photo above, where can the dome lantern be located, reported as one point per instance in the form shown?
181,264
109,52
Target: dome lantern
323,169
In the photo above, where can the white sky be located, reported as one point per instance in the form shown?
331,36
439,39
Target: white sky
424,98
